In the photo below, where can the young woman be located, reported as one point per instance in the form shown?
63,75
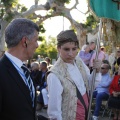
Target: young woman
68,84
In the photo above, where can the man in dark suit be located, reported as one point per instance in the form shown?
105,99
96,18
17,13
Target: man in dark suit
40,80
17,91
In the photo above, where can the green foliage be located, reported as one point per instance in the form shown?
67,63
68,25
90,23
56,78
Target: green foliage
2,12
63,1
42,29
41,38
9,3
23,9
91,22
7,9
52,53
9,17
41,50
47,49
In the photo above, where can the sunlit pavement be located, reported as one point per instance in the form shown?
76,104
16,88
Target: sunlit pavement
43,112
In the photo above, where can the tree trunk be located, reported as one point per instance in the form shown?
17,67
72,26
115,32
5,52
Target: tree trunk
2,38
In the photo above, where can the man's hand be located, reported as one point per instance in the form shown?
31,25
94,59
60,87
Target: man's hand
115,94
97,65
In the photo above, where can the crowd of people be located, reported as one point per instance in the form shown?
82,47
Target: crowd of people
64,88
105,86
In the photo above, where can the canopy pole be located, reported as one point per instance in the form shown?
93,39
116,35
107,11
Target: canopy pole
94,71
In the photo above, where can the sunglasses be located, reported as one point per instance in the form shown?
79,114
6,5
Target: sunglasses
103,68
118,51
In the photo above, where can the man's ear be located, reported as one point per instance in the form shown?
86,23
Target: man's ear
23,42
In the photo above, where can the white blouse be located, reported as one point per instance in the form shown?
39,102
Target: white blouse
55,90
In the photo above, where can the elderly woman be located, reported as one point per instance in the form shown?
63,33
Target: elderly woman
86,53
114,100
68,84
116,63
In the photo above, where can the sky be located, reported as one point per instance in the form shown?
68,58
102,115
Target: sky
56,24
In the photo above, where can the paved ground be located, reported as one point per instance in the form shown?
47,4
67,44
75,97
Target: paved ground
43,112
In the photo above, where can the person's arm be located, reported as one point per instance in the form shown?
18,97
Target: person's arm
112,86
55,90
80,54
91,60
97,79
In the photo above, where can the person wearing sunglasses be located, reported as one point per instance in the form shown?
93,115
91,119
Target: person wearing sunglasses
116,63
101,91
114,100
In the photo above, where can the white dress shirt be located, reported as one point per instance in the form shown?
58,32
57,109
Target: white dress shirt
17,63
55,90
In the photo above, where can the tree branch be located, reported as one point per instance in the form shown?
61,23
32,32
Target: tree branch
33,9
74,6
36,2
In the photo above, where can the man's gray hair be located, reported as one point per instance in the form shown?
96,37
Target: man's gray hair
17,29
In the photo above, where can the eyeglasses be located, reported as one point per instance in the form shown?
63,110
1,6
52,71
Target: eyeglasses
103,68
118,51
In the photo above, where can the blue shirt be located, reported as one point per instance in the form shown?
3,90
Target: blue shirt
104,84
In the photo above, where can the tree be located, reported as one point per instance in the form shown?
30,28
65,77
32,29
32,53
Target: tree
52,47
6,15
47,49
10,9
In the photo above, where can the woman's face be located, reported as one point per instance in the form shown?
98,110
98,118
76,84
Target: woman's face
68,52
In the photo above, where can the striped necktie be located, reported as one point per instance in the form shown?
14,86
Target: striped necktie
29,82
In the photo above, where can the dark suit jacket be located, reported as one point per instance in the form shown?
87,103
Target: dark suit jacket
39,80
15,100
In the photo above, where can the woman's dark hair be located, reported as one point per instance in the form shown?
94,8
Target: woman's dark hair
67,36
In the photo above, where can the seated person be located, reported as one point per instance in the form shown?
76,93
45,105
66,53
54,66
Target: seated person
45,97
114,100
35,71
45,92
40,77
41,80
98,76
48,60
116,63
102,90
